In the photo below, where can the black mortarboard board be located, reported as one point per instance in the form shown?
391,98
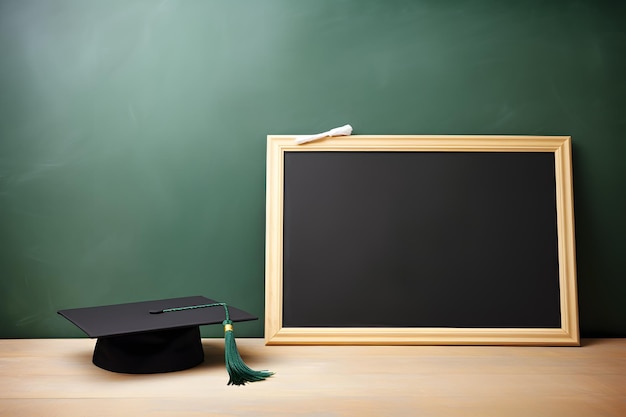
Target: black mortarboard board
160,336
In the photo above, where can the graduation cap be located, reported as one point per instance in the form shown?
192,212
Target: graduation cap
161,336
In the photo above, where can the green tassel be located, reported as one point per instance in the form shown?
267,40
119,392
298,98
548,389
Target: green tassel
239,372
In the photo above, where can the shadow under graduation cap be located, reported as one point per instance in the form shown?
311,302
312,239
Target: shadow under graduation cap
161,335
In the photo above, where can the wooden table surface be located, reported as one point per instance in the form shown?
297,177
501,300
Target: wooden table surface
55,377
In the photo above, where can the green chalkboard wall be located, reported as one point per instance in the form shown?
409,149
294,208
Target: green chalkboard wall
132,132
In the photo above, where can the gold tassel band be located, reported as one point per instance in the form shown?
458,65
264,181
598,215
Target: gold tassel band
228,328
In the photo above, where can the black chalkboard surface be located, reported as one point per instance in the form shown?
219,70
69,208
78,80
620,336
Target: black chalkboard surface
420,239
384,246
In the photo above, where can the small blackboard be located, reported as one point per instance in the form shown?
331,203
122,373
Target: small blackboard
421,240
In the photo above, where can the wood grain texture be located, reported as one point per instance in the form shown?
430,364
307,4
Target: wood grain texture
55,377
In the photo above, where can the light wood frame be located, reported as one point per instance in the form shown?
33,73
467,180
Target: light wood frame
566,335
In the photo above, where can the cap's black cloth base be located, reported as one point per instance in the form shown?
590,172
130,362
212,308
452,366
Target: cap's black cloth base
151,352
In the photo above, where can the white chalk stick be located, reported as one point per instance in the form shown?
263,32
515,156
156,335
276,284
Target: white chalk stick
345,130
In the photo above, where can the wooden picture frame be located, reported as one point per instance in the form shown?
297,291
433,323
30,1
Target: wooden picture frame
564,333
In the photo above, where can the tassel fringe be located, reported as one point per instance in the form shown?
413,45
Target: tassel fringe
238,371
